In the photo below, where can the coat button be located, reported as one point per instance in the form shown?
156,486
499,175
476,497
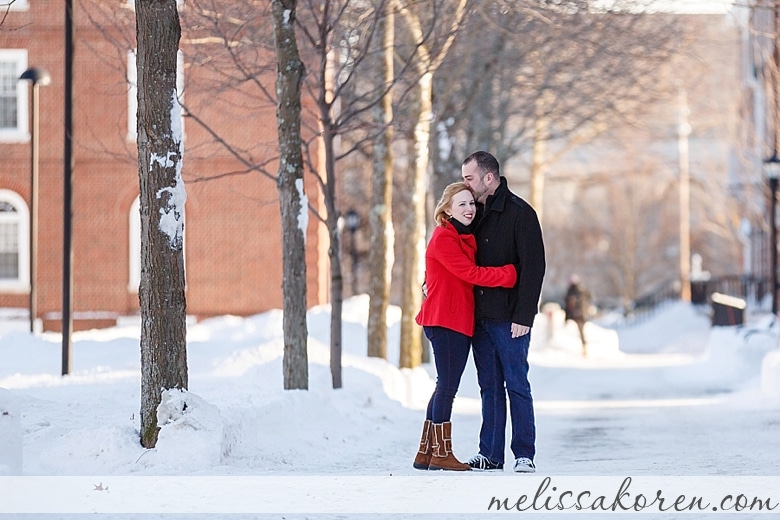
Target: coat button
481,292
487,240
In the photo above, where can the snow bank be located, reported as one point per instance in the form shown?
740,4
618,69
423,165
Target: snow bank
191,431
10,434
770,375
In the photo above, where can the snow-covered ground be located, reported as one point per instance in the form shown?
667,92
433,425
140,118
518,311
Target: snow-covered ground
665,400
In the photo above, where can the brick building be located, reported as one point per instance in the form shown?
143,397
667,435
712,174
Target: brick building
232,225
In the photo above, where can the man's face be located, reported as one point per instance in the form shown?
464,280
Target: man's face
472,178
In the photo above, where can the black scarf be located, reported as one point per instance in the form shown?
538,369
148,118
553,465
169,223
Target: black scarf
461,228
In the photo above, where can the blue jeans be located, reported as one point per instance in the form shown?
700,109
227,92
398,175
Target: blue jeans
450,353
502,368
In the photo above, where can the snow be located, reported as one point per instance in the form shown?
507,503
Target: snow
172,215
670,404
303,216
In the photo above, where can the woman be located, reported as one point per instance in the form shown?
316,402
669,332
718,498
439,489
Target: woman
447,315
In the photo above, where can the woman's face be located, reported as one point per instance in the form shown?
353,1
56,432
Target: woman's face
463,208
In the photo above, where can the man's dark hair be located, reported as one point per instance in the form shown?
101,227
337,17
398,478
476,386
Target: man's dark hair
485,162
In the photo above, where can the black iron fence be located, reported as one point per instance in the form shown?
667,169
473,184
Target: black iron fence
752,289
646,305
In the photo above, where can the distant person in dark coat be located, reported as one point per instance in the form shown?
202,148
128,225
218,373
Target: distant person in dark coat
577,307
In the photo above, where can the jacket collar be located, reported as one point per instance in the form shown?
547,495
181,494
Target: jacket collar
496,201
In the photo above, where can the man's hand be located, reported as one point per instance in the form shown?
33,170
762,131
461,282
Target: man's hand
519,330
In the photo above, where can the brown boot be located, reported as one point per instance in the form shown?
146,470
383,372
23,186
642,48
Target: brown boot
441,449
423,457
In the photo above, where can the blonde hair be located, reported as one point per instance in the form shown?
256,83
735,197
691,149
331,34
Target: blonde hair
445,202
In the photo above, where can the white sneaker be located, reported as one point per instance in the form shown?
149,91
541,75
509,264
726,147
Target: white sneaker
524,465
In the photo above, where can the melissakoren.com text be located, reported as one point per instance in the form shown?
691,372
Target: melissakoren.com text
629,497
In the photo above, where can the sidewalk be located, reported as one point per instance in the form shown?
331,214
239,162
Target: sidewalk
671,396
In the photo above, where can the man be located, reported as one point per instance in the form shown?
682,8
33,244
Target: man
508,232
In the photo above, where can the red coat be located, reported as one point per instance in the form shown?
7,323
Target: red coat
450,277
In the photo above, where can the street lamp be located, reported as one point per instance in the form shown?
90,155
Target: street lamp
37,77
352,221
772,169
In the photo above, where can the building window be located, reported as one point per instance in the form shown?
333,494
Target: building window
132,93
16,5
13,96
14,243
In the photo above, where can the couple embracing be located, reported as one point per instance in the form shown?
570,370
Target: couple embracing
484,267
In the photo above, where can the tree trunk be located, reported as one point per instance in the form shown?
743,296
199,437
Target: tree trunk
334,255
162,198
414,230
418,183
538,153
380,256
292,200
328,104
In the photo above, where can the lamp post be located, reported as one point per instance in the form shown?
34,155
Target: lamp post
37,77
772,165
352,221
772,168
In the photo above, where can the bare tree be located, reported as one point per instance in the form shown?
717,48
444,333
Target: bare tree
162,198
336,46
5,8
340,36
380,259
614,211
623,230
429,54
289,77
227,46
546,72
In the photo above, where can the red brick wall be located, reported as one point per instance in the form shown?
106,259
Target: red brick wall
232,227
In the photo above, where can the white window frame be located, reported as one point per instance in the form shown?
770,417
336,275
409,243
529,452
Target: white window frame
22,216
132,97
134,279
21,133
17,5
132,93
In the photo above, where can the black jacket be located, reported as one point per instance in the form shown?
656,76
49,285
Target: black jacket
508,232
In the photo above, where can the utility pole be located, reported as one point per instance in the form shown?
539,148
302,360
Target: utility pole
684,131
67,190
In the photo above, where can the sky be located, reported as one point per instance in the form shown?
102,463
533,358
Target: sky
688,6
698,6
665,407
